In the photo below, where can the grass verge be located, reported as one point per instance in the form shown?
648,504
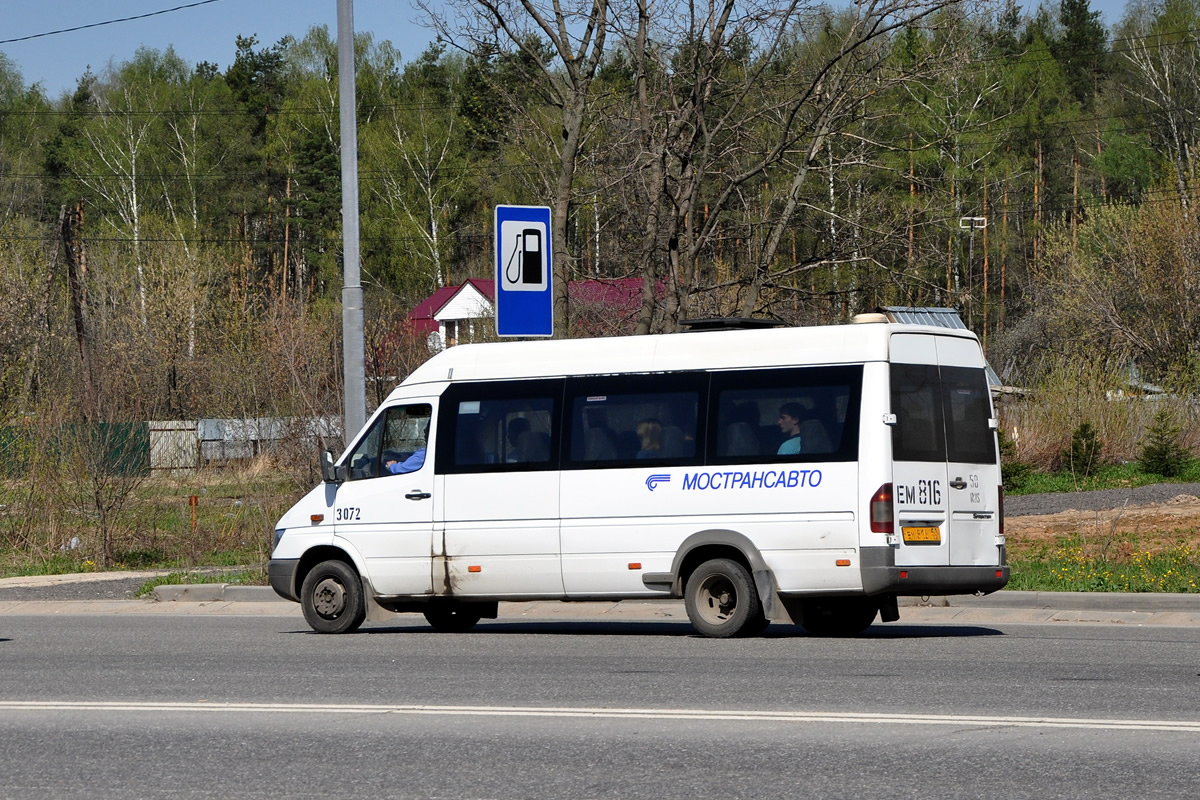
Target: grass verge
248,577
1073,564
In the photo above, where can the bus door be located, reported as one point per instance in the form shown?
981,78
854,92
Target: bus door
945,476
499,466
919,475
973,475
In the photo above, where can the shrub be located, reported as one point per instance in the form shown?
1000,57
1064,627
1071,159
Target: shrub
1162,453
1016,472
1084,454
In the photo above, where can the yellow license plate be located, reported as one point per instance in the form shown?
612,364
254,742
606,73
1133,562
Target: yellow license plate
922,535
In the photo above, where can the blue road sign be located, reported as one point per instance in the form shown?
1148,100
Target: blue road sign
524,298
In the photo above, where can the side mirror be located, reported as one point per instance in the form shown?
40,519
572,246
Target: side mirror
328,470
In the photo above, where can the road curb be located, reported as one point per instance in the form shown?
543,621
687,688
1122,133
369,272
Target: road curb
214,593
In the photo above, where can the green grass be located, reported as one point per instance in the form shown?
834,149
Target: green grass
1071,565
1112,476
16,563
248,577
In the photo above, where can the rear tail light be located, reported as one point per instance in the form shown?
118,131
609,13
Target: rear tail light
882,514
1000,507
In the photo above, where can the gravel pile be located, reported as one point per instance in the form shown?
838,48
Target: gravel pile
1098,500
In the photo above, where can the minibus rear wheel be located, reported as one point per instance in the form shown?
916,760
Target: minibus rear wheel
452,620
722,601
844,616
332,598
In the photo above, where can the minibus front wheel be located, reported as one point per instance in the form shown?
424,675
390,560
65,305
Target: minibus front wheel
332,598
722,601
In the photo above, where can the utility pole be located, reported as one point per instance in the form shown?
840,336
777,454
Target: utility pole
970,223
353,350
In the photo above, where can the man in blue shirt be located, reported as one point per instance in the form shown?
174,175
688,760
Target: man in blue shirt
413,462
789,423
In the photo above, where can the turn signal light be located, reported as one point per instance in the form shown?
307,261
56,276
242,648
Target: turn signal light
843,562
315,518
635,565
474,568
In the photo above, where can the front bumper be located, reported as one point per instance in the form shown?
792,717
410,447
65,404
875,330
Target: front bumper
281,572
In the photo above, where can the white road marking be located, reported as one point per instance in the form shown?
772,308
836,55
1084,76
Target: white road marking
1185,726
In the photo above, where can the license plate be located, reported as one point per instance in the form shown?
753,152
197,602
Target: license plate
922,535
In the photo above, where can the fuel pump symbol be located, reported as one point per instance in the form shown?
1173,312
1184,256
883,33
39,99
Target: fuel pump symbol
525,264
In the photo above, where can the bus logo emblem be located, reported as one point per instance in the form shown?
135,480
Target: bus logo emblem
654,480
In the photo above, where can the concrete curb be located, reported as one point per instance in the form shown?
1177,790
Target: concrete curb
215,593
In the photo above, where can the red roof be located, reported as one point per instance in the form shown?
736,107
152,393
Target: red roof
421,318
622,296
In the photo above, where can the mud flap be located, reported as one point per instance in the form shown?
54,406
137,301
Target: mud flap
773,609
889,609
375,612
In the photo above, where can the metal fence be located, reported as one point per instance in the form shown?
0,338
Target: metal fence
164,446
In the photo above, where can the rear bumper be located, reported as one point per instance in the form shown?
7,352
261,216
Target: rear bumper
880,575
281,572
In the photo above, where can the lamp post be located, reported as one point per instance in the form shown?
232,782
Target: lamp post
354,378
970,223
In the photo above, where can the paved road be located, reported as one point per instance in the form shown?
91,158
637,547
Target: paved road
207,705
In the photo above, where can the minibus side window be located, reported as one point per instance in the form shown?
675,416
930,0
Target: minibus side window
808,414
634,420
969,438
396,435
918,434
499,427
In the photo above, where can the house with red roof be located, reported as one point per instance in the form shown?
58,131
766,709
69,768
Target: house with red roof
455,314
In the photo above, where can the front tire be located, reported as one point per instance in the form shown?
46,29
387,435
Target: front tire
722,601
332,598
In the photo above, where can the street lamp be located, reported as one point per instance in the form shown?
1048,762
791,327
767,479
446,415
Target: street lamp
970,223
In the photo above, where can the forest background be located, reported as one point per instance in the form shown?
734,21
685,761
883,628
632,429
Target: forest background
170,234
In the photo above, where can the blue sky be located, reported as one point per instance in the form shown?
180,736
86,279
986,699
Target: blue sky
205,33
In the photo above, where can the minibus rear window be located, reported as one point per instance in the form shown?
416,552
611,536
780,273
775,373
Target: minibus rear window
969,438
941,415
918,434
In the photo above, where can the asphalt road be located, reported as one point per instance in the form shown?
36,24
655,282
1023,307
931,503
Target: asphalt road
210,706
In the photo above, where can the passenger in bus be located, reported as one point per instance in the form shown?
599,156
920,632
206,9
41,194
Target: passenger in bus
650,433
517,427
413,462
789,424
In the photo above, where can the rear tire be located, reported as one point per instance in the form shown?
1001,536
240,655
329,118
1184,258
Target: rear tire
332,598
722,601
452,620
843,616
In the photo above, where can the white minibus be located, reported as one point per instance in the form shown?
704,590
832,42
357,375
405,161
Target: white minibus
796,475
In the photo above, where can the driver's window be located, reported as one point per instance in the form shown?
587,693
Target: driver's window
395,437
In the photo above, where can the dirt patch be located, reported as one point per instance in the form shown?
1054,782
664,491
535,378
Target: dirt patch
1154,527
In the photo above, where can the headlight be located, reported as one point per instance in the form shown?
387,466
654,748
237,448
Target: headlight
279,532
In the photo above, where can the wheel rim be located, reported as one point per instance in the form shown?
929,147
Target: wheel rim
716,599
329,598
